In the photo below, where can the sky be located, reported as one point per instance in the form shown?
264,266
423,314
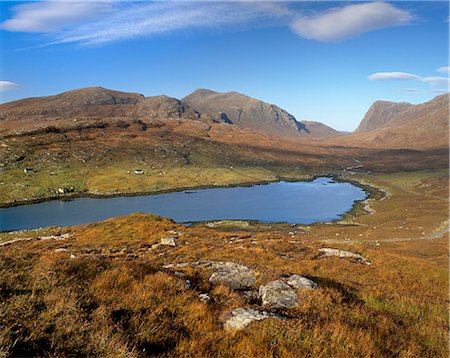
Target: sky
326,61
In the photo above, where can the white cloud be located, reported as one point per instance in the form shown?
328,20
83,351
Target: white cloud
8,86
436,81
438,84
349,21
51,16
443,69
147,19
383,76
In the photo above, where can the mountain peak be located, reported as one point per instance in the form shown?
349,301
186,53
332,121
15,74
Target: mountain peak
244,112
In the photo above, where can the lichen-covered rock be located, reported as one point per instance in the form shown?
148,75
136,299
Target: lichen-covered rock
233,275
300,282
242,317
278,294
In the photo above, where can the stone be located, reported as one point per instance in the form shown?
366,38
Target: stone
240,318
300,282
61,250
168,241
278,294
233,275
204,297
340,253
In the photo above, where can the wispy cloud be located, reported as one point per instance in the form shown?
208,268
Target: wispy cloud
350,21
443,69
436,81
439,84
393,76
8,86
100,22
52,16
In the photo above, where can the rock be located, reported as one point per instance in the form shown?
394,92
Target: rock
155,246
233,275
300,282
168,241
277,294
239,318
204,297
61,250
340,253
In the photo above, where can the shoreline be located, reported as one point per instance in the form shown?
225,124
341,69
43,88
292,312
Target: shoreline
71,196
359,206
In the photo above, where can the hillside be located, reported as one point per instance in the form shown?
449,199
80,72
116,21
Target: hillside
92,104
244,112
418,127
320,130
381,114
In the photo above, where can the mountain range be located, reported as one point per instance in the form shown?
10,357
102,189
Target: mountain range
100,126
386,124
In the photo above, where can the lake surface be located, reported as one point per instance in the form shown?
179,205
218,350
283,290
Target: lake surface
291,202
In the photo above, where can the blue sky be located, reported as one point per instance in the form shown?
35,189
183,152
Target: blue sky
324,61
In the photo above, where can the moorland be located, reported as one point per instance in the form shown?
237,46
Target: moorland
143,285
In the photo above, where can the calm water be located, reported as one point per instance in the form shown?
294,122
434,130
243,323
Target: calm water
292,202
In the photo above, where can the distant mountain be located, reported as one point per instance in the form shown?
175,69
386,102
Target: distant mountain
403,125
320,130
381,114
244,112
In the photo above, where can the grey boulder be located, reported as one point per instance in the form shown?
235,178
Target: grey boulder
233,275
300,282
278,294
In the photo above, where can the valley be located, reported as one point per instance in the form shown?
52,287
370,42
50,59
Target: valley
373,283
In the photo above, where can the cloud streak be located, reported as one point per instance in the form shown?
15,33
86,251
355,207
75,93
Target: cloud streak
8,86
393,76
439,84
100,22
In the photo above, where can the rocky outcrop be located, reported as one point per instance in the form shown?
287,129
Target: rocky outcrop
278,294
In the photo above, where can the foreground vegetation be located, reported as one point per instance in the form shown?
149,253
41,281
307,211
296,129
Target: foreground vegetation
109,293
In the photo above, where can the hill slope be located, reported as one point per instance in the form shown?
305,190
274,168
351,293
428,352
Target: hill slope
244,112
418,127
320,130
381,114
